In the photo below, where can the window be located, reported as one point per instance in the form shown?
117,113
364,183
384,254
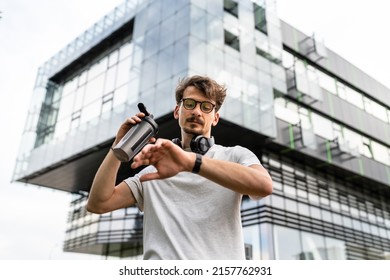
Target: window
354,97
335,249
309,78
349,140
48,115
260,18
380,153
75,119
304,116
322,126
352,139
326,82
107,102
286,110
303,209
313,247
288,59
287,244
232,40
252,238
366,147
379,111
267,56
231,7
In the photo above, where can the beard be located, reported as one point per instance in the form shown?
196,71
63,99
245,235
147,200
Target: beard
194,126
192,131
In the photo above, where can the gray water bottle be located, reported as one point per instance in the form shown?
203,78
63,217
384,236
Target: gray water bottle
137,137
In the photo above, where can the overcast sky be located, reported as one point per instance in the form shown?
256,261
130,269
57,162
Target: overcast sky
33,219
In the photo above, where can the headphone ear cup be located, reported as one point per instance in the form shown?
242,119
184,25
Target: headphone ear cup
201,144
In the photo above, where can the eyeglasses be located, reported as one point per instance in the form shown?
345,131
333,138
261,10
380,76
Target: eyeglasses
205,106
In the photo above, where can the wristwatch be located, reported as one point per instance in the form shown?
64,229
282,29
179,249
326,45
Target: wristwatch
198,163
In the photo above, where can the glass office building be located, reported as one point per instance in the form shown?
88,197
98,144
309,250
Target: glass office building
320,125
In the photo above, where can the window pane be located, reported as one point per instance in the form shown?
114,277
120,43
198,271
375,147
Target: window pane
290,191
66,106
94,90
288,59
252,239
379,111
69,87
117,225
97,68
303,209
337,219
322,126
354,97
353,139
335,249
260,18
380,153
315,212
341,90
313,247
287,243
284,113
277,201
123,72
110,80
326,82
291,205
91,111
266,241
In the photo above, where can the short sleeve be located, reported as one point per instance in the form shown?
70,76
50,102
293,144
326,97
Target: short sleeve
136,186
245,157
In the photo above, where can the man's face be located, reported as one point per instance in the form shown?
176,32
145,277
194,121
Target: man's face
195,121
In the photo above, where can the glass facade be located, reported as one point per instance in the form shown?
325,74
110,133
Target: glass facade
315,215
324,139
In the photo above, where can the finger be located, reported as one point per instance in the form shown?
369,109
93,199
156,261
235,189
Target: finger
134,119
136,163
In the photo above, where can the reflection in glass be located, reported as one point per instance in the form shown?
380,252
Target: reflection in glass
266,242
287,243
335,249
252,238
313,247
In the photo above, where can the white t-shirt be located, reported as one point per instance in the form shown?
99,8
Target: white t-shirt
190,217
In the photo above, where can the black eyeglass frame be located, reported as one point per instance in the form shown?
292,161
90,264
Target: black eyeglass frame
196,102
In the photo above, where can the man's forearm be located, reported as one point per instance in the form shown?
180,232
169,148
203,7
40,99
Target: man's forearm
254,180
103,185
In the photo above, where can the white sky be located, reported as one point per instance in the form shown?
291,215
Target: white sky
33,219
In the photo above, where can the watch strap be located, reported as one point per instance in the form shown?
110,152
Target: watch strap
198,163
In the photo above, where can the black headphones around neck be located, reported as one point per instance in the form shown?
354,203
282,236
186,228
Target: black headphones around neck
199,144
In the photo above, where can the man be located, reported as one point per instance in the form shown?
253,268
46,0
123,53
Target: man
191,202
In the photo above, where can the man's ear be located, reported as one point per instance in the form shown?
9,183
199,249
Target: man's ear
216,119
176,112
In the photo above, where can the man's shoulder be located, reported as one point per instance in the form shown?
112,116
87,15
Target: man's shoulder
238,148
229,151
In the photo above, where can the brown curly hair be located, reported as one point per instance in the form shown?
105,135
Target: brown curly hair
210,88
